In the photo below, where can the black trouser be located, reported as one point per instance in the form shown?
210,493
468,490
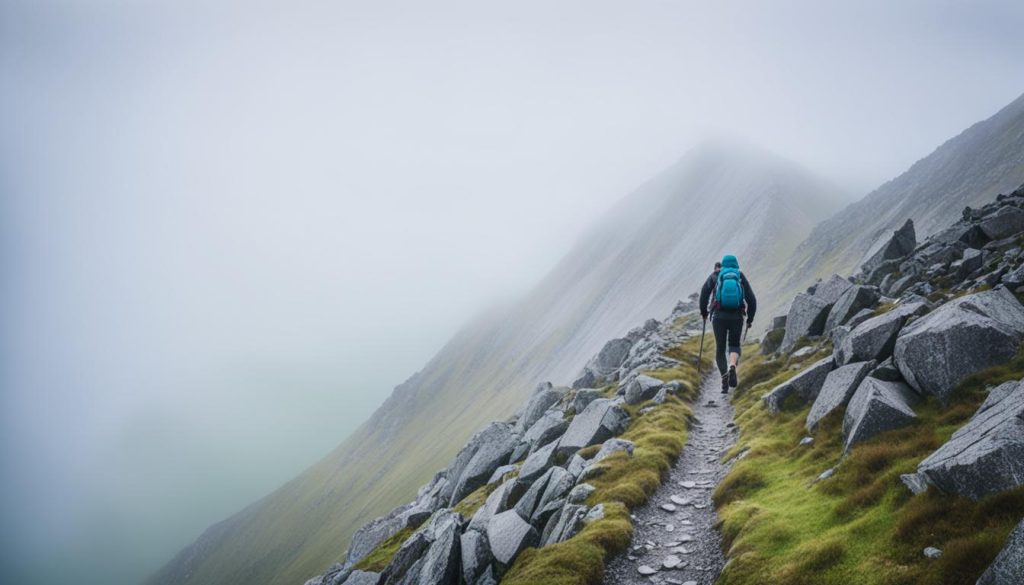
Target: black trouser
728,330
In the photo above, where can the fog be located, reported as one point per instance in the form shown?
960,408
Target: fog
228,229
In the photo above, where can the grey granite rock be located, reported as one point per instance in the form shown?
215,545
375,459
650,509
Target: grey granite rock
986,455
494,446
642,388
804,386
599,421
836,391
1004,223
508,534
806,318
476,554
959,338
875,338
853,300
877,406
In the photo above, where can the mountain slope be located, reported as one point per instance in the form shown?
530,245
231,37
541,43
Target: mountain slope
655,245
968,170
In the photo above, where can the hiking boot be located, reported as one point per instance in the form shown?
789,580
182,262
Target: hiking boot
725,383
732,376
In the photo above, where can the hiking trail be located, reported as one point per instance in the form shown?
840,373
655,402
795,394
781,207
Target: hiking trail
675,540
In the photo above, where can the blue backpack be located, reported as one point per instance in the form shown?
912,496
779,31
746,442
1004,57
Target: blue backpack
729,290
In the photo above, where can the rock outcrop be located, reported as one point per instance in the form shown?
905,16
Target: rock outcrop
877,406
961,337
837,389
804,386
985,456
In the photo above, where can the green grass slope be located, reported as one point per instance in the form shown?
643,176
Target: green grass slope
861,525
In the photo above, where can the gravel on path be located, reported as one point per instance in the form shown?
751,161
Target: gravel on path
682,546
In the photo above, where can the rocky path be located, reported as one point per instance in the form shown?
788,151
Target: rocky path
675,541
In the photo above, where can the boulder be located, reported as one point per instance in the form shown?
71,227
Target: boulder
599,421
986,455
508,534
548,428
901,284
499,473
441,564
772,340
576,465
605,363
804,385
407,561
836,391
855,299
564,524
496,502
371,534
877,406
875,338
965,266
1004,223
494,446
997,394
537,406
642,388
584,396
1008,568
538,462
883,274
1014,278
613,445
476,554
832,289
555,483
963,336
807,316
580,493
900,245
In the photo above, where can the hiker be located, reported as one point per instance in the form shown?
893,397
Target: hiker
731,298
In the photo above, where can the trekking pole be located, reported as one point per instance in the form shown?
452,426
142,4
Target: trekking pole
700,354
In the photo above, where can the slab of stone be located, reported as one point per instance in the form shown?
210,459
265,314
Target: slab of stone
961,337
986,455
877,406
875,338
805,385
856,298
601,420
836,391
508,534
806,318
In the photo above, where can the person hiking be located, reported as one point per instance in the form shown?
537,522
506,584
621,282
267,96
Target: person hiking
728,298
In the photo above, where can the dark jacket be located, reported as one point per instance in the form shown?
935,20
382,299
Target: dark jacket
749,300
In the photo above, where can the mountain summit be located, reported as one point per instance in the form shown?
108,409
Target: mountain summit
654,246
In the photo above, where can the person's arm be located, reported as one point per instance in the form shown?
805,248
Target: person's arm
748,296
705,296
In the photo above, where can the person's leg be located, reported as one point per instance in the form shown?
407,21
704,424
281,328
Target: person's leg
720,329
734,340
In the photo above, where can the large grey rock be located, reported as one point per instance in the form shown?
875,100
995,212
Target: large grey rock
407,560
852,301
555,483
875,338
537,406
986,455
494,446
1004,223
1008,568
371,534
508,534
806,318
476,554
971,261
836,391
441,563
495,503
584,396
605,363
877,406
804,385
613,445
832,289
599,421
1014,278
548,428
965,335
642,388
538,462
564,524
900,245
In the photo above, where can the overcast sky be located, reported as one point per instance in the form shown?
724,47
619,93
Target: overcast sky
228,229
